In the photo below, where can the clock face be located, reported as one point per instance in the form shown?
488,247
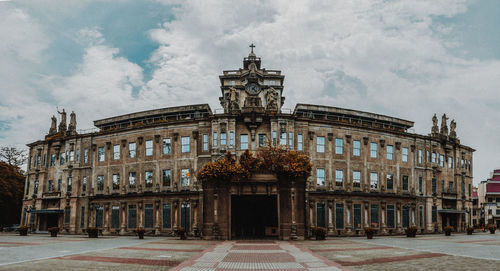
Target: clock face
253,88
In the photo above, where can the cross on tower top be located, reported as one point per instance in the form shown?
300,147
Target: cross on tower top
252,46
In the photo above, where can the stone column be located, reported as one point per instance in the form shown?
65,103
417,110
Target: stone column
157,217
105,217
123,217
348,217
366,216
311,217
330,205
140,215
196,228
175,209
399,228
383,225
293,234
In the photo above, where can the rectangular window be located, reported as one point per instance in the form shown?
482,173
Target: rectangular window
320,215
99,216
132,217
390,152
52,160
434,186
434,213
320,176
61,159
283,139
86,156
167,145
390,216
67,216
149,147
100,154
356,179
132,180
205,142
339,146
244,142
185,144
35,187
442,186
300,143
428,156
356,148
132,153
116,181
463,189
433,157
421,215
373,180
404,152
215,140
51,186
339,215
82,218
290,140
420,158
148,216
450,162
406,216
231,138
420,184
184,177
185,215
78,155
115,216
84,184
223,139
59,185
441,160
390,181
148,178
320,144
262,140
357,216
406,185
69,184
373,150
167,222
374,216
116,152
166,177
339,177
274,137
100,182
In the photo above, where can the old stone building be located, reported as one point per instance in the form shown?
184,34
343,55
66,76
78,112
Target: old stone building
138,170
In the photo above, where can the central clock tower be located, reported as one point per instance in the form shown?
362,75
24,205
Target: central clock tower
251,88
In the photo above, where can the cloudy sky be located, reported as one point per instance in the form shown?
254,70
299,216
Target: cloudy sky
408,59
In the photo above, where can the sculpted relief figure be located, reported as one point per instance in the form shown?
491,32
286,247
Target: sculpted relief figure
271,99
453,126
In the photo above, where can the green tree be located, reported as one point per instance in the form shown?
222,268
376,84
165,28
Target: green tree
11,193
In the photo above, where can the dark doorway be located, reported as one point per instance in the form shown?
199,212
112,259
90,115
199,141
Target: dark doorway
254,216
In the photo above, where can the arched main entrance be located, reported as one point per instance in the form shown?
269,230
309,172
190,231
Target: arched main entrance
254,216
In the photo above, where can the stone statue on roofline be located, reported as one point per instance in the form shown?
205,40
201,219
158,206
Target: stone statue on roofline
435,129
72,122
453,126
444,125
62,124
53,126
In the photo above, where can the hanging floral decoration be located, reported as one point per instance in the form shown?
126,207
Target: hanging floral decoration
278,160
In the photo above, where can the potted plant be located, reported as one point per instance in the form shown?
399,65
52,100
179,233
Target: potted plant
319,233
53,231
369,231
492,228
470,230
23,230
93,232
448,230
181,232
411,231
140,232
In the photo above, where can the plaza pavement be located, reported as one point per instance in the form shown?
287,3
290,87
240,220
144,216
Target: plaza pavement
480,251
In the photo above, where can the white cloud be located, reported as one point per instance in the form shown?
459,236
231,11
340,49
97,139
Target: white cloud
389,57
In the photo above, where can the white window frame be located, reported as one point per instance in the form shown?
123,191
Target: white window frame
320,144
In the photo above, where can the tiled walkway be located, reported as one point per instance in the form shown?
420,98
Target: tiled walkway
263,255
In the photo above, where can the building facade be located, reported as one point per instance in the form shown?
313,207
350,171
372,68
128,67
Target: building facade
489,203
138,170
